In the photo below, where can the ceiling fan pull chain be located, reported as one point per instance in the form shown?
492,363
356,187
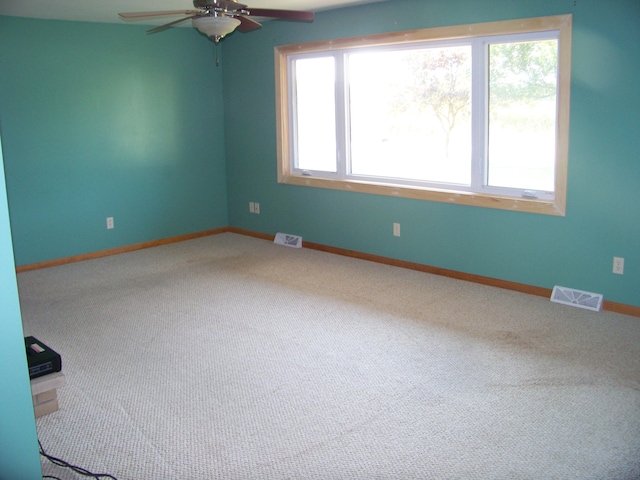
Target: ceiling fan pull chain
215,50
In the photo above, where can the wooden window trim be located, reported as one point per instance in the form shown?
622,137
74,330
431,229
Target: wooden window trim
557,206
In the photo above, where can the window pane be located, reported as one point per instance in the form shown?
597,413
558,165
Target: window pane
410,114
522,114
315,114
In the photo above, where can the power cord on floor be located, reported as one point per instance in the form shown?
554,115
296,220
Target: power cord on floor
62,463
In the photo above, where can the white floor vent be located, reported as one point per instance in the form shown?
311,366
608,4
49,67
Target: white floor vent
288,240
577,298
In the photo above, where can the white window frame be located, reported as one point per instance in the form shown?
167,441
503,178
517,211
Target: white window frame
553,203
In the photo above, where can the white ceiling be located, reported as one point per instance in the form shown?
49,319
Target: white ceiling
106,11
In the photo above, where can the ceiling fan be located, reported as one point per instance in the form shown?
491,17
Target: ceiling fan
217,18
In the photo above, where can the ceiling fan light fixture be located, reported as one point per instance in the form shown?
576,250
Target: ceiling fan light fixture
216,27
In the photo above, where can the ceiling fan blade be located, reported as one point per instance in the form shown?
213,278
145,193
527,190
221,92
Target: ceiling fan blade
247,24
156,14
283,14
167,25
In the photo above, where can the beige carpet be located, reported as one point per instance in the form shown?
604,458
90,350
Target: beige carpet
228,357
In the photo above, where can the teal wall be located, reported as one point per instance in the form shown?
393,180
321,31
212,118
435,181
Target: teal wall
103,120
603,205
19,457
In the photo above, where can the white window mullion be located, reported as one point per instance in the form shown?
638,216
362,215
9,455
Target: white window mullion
342,116
479,114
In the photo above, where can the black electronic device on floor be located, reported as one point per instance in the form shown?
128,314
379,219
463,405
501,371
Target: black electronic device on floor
42,360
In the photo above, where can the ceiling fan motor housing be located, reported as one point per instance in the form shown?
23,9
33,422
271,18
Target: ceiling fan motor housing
218,4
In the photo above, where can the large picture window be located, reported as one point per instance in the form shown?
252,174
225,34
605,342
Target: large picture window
473,114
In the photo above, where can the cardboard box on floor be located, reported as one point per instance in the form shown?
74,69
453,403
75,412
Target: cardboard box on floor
44,393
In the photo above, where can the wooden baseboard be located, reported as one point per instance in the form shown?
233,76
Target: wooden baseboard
468,277
115,251
621,308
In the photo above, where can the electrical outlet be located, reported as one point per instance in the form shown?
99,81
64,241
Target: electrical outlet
618,265
396,229
256,208
109,223
252,207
